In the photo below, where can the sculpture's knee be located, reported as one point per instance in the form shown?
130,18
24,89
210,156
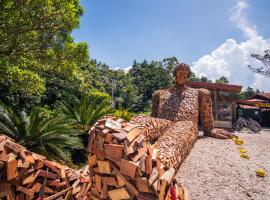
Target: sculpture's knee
152,127
175,144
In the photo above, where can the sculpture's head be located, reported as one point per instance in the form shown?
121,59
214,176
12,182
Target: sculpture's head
181,73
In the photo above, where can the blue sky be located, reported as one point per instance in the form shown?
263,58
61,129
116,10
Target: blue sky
120,31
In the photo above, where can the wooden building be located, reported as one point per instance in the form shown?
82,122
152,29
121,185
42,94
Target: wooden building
256,107
223,106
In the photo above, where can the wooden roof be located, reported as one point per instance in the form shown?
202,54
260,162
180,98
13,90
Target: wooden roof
215,86
253,102
263,95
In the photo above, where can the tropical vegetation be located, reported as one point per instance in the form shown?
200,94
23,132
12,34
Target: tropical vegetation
51,91
41,131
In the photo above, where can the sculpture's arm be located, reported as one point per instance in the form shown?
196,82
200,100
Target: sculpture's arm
155,102
205,108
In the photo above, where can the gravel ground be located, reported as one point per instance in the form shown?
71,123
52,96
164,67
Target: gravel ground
215,170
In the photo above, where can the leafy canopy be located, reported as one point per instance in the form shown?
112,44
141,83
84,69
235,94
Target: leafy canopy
37,51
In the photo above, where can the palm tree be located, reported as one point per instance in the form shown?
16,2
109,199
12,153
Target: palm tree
40,132
85,112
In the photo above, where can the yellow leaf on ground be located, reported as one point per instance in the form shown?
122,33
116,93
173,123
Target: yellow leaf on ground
242,150
243,155
239,142
260,172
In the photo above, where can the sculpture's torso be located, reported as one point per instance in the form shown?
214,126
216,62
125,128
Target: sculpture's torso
176,104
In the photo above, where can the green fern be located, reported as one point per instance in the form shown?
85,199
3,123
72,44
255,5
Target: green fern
40,132
85,112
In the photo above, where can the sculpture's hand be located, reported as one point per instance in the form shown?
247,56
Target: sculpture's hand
221,133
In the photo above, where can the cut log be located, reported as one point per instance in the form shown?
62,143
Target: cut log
110,181
118,194
26,191
168,175
148,165
128,168
92,160
108,138
129,127
153,176
133,134
104,191
12,171
162,190
120,181
114,151
30,159
23,164
120,136
139,154
142,184
113,125
54,196
98,183
50,175
104,167
29,179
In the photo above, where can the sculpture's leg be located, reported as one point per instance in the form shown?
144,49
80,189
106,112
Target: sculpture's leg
152,128
176,143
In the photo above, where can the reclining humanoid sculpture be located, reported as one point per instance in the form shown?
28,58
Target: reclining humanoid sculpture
173,123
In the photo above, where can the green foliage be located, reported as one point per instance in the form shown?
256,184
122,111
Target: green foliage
222,80
193,77
205,79
24,86
42,132
36,49
100,97
148,77
169,64
84,112
265,61
117,83
124,114
246,94
31,28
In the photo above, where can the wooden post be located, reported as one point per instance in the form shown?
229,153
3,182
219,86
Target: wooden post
215,104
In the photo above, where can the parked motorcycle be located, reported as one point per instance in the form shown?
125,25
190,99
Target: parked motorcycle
249,123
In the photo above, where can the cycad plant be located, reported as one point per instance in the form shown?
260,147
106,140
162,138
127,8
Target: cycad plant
82,114
40,132
85,112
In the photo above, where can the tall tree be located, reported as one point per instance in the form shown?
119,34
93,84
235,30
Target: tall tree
249,92
265,60
148,77
193,77
222,80
205,79
35,43
117,83
169,64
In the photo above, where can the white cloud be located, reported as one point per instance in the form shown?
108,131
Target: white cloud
126,69
231,58
238,17
261,82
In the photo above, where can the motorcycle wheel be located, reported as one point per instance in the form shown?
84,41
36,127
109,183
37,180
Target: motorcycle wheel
255,127
237,127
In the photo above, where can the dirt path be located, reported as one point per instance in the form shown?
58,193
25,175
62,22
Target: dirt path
215,170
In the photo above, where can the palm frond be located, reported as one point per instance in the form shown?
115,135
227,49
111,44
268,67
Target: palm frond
13,121
85,112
